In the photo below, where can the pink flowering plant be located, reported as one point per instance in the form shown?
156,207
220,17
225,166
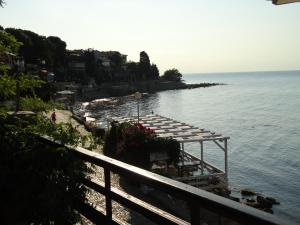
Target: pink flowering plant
133,143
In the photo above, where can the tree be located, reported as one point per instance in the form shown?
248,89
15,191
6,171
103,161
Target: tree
1,28
37,47
132,70
154,72
57,48
144,66
172,75
144,59
8,43
2,3
90,63
32,48
116,58
8,47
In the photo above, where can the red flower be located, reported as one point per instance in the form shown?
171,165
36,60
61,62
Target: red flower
140,126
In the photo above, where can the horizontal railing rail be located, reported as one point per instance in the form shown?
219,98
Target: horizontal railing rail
195,198
209,167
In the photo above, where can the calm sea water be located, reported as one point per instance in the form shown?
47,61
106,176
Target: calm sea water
259,111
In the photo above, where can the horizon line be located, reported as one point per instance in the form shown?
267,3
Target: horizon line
258,71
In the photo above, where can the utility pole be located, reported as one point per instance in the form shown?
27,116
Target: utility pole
138,96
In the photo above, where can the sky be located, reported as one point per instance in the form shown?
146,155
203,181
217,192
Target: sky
194,36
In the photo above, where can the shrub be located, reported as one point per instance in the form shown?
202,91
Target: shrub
172,75
38,182
36,104
134,143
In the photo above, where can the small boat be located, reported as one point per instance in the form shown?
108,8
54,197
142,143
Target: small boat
102,102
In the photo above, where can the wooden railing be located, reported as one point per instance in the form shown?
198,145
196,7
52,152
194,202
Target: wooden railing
211,169
197,200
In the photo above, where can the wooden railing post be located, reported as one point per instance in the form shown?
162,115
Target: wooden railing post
226,162
195,213
107,197
202,158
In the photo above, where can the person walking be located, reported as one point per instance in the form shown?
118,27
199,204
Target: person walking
53,117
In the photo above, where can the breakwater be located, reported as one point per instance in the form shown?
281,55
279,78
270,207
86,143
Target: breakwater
125,88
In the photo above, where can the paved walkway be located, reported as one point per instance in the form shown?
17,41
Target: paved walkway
65,116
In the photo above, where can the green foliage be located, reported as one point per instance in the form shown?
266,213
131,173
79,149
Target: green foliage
154,72
36,104
132,70
90,64
26,83
172,75
29,82
134,143
39,181
36,48
57,50
7,87
4,68
144,65
8,43
51,49
116,59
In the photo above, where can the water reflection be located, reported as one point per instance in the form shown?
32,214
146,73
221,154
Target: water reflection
126,106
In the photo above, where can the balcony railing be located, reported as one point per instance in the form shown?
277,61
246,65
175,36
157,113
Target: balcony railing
197,200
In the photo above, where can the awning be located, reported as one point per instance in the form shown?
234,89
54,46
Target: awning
280,2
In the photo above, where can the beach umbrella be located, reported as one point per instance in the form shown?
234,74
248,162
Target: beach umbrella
280,2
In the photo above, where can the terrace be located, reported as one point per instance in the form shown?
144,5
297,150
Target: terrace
191,170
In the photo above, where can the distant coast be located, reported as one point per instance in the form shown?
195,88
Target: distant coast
125,88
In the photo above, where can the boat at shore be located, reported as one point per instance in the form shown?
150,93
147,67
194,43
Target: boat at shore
101,103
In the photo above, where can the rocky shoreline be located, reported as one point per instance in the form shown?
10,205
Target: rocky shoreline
258,201
122,89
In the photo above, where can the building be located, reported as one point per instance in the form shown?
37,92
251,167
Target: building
76,65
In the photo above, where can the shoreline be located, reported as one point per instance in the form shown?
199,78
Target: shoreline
123,89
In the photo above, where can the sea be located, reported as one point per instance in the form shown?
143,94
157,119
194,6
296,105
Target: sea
259,111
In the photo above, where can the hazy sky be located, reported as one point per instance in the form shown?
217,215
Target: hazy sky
191,35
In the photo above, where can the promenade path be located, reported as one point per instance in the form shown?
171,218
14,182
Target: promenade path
64,116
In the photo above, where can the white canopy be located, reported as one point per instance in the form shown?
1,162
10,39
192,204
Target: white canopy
166,127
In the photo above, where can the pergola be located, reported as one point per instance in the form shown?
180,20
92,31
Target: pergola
184,133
